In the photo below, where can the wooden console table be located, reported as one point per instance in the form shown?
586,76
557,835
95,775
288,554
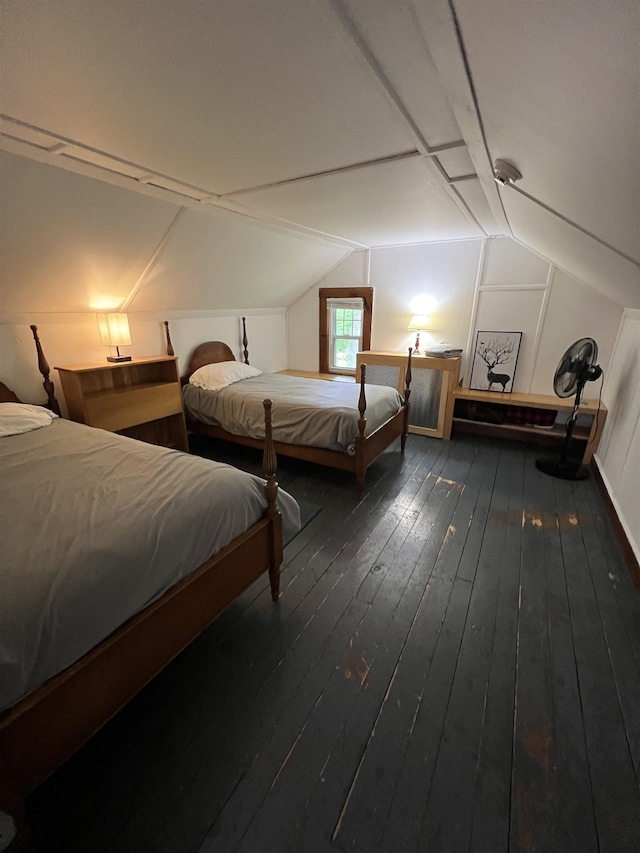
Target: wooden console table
589,434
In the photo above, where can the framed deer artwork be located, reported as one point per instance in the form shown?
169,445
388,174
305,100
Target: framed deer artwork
495,358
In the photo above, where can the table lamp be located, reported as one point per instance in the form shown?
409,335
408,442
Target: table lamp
419,323
114,332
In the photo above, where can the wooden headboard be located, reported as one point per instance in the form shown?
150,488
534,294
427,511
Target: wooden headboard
210,352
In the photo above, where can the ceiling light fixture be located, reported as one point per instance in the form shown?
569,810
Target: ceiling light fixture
505,173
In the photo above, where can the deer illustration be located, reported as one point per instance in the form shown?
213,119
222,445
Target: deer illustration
495,352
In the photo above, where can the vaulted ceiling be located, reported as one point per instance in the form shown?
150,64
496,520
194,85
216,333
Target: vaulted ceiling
325,126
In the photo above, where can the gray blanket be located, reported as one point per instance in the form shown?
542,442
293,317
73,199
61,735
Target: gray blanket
312,412
95,526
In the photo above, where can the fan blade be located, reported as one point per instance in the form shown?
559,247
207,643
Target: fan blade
574,366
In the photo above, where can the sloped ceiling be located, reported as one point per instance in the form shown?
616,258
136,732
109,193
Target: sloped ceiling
294,131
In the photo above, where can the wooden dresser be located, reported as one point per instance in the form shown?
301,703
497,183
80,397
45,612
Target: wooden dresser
140,398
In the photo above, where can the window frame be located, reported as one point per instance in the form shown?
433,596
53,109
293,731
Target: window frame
349,293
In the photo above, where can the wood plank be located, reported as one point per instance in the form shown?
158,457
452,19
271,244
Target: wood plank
571,791
537,401
613,555
533,824
618,607
614,785
469,560
445,828
431,651
491,809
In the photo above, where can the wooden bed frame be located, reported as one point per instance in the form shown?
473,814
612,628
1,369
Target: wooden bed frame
367,448
44,729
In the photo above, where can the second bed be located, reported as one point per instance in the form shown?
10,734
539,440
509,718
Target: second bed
342,425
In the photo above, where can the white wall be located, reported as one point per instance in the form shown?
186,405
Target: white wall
618,456
442,271
71,243
500,285
73,339
487,285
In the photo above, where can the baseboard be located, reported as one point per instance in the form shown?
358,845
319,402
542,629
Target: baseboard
618,528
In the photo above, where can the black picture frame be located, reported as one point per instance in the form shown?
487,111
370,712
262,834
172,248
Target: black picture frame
495,358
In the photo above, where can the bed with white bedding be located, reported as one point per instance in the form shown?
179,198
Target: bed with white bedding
115,555
340,424
96,526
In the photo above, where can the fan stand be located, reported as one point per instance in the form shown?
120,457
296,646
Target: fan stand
563,468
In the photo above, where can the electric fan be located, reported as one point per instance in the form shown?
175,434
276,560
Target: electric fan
577,367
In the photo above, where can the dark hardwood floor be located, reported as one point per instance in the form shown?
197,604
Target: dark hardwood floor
453,666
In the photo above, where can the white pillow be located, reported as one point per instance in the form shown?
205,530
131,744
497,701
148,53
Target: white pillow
20,417
213,377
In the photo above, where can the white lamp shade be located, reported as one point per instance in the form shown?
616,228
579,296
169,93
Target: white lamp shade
418,323
114,330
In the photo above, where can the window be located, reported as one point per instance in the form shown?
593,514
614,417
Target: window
345,327
345,333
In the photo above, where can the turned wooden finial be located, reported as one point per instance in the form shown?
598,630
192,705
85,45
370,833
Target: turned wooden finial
407,394
362,400
43,367
407,379
167,335
245,340
269,461
269,469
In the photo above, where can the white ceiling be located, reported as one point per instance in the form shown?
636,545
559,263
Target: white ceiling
353,122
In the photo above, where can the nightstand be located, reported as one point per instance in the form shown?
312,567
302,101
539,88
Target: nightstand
140,398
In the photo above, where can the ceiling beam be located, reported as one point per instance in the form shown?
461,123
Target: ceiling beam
442,36
437,175
138,178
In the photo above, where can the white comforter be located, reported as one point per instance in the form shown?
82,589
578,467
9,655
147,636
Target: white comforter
95,526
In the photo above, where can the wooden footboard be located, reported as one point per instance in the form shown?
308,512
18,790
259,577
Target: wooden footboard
366,451
367,448
49,725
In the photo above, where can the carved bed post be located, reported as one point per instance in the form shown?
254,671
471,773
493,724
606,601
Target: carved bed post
407,394
245,340
269,469
43,367
167,335
362,423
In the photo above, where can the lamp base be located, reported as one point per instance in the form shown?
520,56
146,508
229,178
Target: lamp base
118,358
